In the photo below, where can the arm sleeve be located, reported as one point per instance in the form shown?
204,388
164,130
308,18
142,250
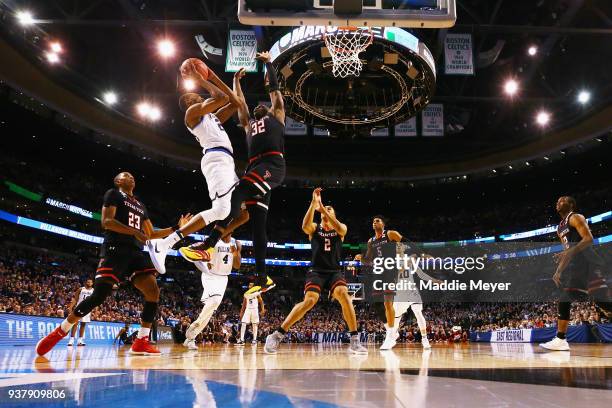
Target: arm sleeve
112,198
272,79
252,295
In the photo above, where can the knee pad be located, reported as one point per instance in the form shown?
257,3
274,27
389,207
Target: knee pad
102,290
564,310
148,312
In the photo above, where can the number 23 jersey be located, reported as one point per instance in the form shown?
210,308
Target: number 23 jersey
130,212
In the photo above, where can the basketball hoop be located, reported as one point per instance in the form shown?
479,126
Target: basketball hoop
345,44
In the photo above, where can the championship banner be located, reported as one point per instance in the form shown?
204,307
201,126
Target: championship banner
458,54
294,128
320,131
433,120
511,336
380,132
241,50
406,129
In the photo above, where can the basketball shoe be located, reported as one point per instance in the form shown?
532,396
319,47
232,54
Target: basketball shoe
273,341
390,339
190,344
48,342
158,250
425,343
193,254
143,347
556,344
356,347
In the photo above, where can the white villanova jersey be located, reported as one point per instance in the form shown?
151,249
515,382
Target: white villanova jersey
253,304
84,294
210,133
223,258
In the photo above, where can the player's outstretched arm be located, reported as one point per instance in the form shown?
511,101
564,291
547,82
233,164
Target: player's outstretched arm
243,109
308,224
152,233
237,256
214,79
394,236
278,103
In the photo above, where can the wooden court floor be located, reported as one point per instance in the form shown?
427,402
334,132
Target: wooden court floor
315,375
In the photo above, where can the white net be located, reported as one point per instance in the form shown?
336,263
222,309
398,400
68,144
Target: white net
345,45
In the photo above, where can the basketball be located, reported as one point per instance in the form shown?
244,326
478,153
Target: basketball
187,65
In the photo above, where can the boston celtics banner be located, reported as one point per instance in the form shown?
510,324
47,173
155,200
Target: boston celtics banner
458,54
406,129
433,120
241,50
293,127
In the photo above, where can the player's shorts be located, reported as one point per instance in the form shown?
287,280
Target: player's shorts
119,263
581,280
250,316
214,285
262,176
86,318
219,171
316,279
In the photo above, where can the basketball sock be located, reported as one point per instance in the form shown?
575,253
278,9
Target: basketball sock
173,238
242,331
66,326
143,332
354,333
561,335
281,330
255,332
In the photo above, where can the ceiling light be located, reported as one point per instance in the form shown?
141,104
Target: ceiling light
584,97
543,118
110,97
25,18
511,87
165,48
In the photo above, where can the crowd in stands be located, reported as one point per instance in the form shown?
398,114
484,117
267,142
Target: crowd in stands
43,283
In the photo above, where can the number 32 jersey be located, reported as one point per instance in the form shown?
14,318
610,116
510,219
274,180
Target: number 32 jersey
130,212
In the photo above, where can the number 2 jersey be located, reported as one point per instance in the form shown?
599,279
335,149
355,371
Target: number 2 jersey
130,212
326,250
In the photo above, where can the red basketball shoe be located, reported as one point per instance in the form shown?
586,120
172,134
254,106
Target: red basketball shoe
47,343
143,347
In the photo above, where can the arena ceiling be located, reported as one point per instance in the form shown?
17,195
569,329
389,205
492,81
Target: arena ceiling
112,45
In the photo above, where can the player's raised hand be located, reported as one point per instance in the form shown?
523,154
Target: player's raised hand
316,196
185,218
263,57
240,73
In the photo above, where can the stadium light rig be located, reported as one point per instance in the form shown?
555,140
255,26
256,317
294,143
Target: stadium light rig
543,118
166,48
110,98
532,50
584,97
25,18
52,57
189,84
511,87
56,47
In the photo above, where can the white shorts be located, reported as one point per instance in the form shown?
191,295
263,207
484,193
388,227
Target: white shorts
220,173
214,285
86,318
250,316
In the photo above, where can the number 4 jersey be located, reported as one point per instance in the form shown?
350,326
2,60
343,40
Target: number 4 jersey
130,212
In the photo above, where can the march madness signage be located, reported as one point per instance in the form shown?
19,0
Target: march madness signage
433,120
458,54
241,51
511,336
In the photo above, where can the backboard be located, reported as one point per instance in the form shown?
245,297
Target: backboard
381,13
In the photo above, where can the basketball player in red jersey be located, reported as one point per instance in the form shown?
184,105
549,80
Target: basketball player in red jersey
325,271
580,270
126,225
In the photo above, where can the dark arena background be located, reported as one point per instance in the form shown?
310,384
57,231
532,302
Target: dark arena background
453,130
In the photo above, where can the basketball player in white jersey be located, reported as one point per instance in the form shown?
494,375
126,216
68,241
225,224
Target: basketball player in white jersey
250,313
204,119
214,281
80,295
